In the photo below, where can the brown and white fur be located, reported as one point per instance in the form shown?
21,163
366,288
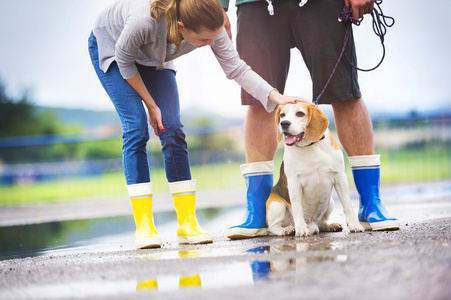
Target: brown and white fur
301,203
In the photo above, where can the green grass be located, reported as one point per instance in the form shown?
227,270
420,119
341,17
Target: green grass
214,176
397,166
415,166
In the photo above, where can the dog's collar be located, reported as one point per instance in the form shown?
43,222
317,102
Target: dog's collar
322,138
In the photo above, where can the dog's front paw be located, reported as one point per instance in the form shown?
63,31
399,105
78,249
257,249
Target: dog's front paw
302,231
334,227
289,231
356,227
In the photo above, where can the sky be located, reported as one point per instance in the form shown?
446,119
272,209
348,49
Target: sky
43,52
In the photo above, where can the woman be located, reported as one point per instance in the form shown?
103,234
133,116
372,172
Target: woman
132,47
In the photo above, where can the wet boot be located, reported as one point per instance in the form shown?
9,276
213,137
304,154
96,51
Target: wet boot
260,269
372,213
190,281
147,285
146,235
188,230
259,182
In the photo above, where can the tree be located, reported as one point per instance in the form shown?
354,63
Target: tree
18,117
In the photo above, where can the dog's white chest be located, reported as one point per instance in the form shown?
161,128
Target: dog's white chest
311,174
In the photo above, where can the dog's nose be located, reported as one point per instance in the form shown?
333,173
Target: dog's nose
285,124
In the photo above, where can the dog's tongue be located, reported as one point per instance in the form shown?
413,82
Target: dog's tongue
290,139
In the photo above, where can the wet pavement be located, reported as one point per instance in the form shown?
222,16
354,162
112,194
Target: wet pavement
95,258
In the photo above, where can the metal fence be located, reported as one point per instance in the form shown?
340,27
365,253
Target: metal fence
30,165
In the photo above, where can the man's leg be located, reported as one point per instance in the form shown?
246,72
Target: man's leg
260,146
355,132
354,127
260,134
259,180
263,42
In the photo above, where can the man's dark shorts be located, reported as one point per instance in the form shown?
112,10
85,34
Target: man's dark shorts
264,43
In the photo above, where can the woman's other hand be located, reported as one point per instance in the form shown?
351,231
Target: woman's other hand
154,111
155,119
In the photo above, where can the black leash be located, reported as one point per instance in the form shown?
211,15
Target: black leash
380,24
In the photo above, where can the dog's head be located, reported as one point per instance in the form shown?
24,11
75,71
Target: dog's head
301,123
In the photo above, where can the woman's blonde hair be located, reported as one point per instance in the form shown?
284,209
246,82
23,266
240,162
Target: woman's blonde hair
194,14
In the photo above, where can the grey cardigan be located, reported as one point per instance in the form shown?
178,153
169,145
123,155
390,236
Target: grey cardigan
126,33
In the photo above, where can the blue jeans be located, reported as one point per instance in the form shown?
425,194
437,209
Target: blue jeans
135,133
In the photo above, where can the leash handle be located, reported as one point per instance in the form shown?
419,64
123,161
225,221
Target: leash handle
270,8
380,24
302,3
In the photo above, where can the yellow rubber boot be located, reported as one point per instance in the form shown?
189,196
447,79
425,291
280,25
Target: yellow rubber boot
188,230
147,285
190,281
146,235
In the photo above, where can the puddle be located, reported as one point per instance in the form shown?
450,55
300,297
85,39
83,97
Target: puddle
211,275
232,275
104,234
246,273
117,233
253,263
39,239
217,276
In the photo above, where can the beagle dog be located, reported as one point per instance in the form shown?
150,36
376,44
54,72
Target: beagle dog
300,203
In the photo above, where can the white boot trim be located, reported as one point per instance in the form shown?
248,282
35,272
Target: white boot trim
183,187
257,168
141,190
363,162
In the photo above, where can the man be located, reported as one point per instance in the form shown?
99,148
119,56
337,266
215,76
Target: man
264,41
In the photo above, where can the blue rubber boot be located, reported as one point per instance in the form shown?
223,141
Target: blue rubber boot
260,269
259,182
372,213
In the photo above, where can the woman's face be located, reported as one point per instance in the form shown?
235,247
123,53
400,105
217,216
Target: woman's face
202,38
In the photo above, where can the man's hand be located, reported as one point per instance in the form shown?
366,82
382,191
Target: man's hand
360,7
227,25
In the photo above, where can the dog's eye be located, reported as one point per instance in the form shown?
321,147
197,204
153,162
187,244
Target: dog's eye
300,114
282,115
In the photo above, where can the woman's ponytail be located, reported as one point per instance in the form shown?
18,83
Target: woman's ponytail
170,9
194,14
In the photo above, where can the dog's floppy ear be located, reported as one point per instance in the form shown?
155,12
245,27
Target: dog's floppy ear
279,135
317,125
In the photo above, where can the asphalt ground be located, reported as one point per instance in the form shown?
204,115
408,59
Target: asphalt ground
411,263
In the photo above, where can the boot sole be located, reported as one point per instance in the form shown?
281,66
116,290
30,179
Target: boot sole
245,233
148,243
199,239
380,226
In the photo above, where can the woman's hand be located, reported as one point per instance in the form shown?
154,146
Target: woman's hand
155,119
280,99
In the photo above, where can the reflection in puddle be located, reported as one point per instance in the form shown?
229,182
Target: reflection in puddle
294,264
238,273
148,285
216,276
